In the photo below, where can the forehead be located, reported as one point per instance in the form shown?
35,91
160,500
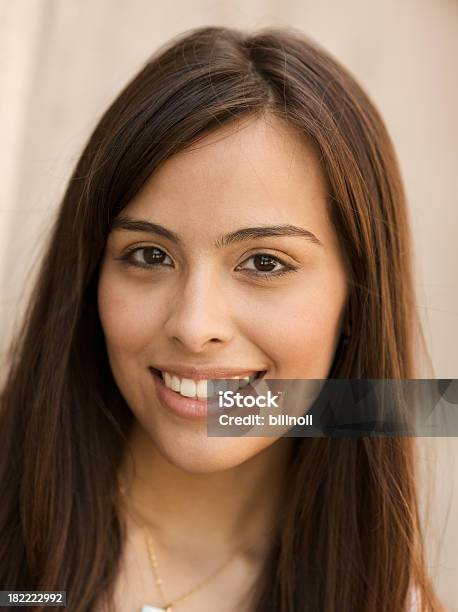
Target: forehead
258,169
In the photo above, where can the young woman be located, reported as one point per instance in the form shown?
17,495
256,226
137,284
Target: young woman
237,212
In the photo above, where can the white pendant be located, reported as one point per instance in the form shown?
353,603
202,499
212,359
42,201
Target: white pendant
152,609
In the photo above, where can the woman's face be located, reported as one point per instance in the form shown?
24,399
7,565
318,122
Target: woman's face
190,301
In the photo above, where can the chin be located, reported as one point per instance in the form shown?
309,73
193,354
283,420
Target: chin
200,454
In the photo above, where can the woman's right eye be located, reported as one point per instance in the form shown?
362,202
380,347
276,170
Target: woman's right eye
144,257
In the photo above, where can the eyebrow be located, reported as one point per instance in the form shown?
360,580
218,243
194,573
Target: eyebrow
240,235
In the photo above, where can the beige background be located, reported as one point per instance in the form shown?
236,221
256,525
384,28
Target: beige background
63,61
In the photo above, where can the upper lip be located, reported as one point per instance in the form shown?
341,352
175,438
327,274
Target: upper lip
204,373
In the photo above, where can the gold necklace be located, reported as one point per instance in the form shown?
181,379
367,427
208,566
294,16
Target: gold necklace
168,605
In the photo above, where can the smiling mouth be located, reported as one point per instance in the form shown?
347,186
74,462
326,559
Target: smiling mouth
205,389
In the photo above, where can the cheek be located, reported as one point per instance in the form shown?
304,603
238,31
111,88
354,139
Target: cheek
126,316
127,334
303,331
308,343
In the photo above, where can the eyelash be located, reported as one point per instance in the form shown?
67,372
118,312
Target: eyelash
126,258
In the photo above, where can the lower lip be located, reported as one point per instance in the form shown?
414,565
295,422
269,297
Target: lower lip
188,407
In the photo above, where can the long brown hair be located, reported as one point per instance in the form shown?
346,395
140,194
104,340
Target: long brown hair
350,539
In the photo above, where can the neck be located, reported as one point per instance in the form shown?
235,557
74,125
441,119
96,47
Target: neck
208,512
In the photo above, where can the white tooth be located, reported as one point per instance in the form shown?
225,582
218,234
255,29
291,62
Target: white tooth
188,387
205,389
176,384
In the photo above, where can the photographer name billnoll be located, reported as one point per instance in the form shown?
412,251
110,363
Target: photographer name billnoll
229,399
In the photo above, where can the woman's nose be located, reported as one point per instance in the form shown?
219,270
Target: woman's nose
200,313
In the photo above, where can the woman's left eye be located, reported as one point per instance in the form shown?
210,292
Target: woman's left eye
267,264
